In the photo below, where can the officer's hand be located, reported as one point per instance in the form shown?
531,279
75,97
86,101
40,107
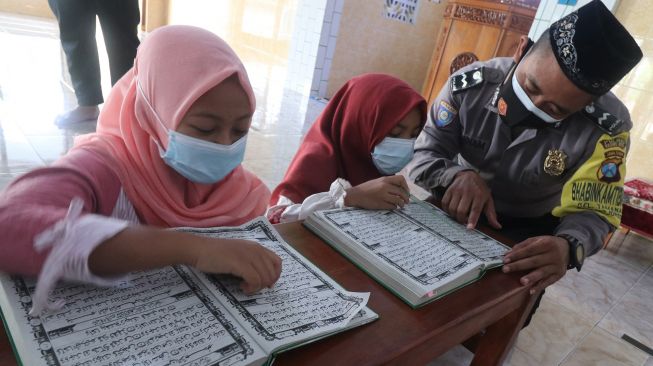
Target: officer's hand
385,193
467,197
546,257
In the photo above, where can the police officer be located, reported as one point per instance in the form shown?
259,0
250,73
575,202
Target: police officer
537,143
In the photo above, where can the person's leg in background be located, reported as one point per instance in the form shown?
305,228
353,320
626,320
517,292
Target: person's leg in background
76,20
119,20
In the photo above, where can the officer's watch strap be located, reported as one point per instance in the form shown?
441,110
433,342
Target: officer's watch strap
574,244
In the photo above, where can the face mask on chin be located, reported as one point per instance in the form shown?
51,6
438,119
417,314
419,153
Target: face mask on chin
515,106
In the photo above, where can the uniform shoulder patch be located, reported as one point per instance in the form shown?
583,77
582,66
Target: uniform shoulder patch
466,80
606,121
445,114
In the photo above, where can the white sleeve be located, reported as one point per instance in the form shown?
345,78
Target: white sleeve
334,198
71,241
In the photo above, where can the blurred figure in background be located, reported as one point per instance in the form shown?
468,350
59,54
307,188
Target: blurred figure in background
119,20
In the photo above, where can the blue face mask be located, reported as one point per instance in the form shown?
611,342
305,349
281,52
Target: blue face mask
202,161
393,154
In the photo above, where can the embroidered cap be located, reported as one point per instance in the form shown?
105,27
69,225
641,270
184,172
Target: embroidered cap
593,49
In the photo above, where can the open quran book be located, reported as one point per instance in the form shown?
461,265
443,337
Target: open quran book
180,316
419,252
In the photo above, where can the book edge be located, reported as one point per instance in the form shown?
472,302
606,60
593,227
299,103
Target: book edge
10,337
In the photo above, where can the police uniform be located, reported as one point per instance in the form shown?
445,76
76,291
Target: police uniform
572,171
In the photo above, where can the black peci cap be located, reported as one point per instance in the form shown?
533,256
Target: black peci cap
593,49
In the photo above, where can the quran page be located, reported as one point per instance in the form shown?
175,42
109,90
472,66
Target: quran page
158,317
303,305
423,259
480,245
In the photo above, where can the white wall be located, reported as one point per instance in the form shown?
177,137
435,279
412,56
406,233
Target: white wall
549,11
305,43
328,36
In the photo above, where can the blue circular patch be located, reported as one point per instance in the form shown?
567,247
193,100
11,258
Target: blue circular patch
609,170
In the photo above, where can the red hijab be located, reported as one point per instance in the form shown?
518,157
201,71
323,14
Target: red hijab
340,142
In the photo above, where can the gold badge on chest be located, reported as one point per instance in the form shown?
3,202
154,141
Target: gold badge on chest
554,164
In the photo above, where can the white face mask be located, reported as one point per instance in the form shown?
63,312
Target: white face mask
528,103
202,161
393,154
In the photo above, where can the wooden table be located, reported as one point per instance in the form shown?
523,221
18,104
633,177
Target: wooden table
497,304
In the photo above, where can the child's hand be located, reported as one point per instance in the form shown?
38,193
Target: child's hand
258,266
385,193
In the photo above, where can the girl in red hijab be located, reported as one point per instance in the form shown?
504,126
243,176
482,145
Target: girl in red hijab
349,157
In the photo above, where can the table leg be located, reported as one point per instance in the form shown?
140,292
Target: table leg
496,343
606,242
625,231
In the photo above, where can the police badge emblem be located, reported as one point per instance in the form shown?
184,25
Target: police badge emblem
445,115
554,164
502,106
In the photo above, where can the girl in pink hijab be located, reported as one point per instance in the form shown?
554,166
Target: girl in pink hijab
167,153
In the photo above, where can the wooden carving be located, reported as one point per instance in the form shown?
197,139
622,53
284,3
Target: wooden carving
527,4
486,16
520,23
462,60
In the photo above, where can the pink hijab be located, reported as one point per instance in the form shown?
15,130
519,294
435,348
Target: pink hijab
174,66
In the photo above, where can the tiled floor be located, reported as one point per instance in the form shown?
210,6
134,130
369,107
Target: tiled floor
580,321
582,317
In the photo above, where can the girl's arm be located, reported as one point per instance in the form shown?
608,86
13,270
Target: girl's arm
142,248
385,193
53,220
287,211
